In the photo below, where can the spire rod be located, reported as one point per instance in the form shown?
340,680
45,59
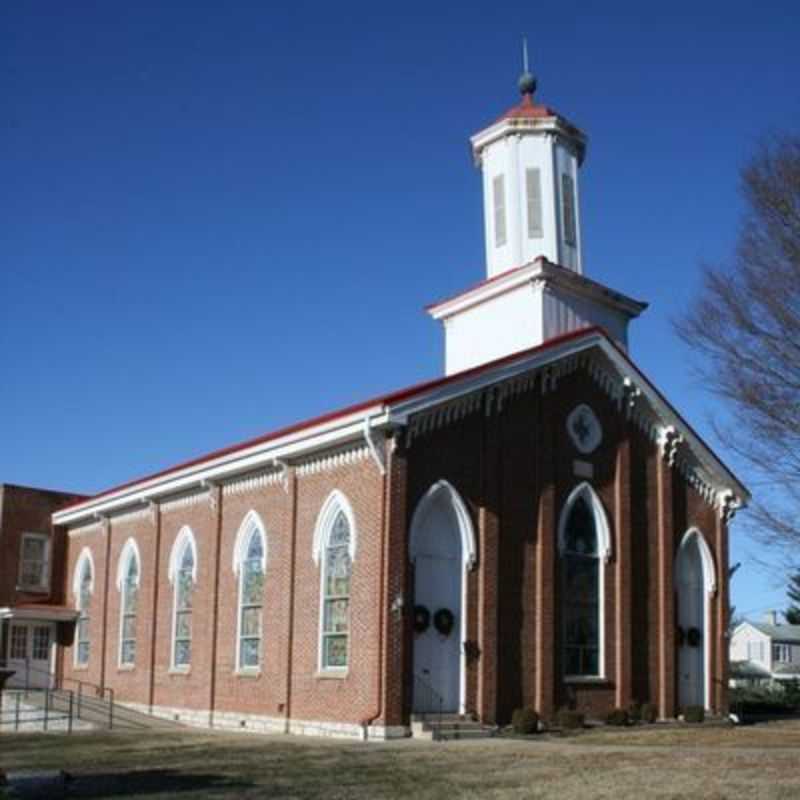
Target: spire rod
527,83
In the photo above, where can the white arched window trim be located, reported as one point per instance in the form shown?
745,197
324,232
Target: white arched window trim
86,555
184,536
129,553
335,502
85,559
710,586
130,550
443,489
587,493
184,539
440,490
252,524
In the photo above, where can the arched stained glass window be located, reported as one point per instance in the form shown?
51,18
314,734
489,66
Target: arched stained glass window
251,601
581,565
336,573
129,605
184,588
82,636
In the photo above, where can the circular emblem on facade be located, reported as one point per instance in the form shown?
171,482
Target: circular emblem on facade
584,429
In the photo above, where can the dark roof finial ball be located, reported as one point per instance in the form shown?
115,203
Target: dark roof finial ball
527,83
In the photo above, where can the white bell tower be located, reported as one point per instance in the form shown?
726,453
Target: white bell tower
530,158
534,288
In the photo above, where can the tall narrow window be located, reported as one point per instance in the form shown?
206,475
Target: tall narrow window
34,567
128,607
184,588
336,571
251,600
82,635
581,591
568,209
533,190
499,200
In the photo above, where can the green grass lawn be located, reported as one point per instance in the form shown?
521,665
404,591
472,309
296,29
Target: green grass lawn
756,762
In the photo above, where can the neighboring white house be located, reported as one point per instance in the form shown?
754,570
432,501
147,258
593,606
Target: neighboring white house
765,652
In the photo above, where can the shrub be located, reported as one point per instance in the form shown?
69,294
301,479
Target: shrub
525,721
617,716
694,714
649,713
635,712
570,720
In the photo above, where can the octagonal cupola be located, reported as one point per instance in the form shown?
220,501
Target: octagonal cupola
530,158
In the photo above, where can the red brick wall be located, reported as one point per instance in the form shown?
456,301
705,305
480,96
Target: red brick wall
514,468
26,510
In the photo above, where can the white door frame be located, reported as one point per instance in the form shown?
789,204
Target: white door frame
19,677
443,489
709,590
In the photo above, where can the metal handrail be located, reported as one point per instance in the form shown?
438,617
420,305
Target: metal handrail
49,712
99,691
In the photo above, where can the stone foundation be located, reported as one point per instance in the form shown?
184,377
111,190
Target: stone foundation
258,723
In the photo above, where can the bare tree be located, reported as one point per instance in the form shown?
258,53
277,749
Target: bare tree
745,326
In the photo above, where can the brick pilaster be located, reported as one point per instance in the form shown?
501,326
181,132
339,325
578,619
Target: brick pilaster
623,555
546,640
488,564
722,600
397,676
215,501
155,511
666,592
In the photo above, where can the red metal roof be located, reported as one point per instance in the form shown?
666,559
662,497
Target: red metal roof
527,109
385,399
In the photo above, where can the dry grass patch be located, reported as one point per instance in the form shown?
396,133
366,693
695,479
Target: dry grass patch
785,733
201,765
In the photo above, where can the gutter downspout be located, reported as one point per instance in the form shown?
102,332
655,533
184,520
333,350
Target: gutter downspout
385,521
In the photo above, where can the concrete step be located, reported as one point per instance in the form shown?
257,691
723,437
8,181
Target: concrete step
453,728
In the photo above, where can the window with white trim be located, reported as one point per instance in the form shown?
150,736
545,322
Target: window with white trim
568,209
129,602
782,653
34,562
182,620
336,573
82,635
533,191
581,564
499,200
251,600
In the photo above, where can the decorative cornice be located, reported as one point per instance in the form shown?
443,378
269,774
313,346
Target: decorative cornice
332,461
252,483
184,501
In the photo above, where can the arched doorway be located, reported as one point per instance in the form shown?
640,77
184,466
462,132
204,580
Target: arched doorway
694,583
441,548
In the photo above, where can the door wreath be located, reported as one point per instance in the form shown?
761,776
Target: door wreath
693,637
443,621
422,619
681,636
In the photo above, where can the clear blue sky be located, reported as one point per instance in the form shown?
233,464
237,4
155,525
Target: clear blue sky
216,219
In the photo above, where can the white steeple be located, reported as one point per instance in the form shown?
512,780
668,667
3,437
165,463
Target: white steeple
534,288
530,159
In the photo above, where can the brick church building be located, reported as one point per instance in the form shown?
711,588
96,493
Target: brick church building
539,527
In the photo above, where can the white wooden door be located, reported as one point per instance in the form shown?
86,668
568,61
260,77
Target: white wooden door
691,617
30,654
437,657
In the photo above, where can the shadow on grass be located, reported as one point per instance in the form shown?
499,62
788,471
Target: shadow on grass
163,782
